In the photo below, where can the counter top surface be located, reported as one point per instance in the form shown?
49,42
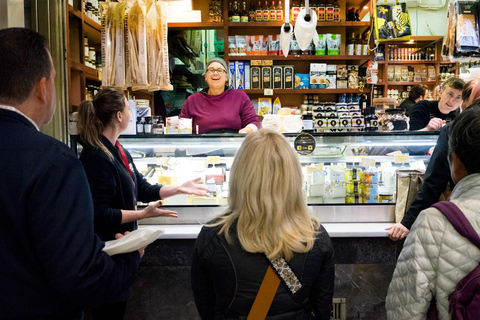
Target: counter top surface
335,230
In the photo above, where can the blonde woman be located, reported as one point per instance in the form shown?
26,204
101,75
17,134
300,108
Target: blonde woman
266,217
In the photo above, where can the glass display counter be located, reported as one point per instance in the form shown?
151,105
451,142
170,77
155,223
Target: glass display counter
349,177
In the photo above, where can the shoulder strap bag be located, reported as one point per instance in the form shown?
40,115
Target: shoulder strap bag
269,287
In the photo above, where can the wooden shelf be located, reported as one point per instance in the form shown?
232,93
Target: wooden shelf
407,83
73,12
400,62
279,24
90,22
196,25
306,91
77,65
306,57
92,74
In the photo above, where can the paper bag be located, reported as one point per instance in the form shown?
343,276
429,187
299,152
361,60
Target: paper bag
409,183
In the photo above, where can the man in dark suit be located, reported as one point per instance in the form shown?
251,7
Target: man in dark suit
52,263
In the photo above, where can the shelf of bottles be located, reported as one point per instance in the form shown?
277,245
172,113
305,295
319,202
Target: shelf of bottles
273,11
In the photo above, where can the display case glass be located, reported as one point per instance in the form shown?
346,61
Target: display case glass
348,177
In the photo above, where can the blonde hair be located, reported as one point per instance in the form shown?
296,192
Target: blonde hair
266,199
94,115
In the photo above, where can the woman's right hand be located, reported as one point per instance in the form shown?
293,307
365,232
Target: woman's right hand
153,211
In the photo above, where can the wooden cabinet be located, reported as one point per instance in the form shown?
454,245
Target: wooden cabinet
401,59
79,74
300,62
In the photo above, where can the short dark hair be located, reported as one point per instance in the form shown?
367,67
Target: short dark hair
454,83
465,138
24,60
416,92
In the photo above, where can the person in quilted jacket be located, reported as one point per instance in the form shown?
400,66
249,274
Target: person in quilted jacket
266,217
435,257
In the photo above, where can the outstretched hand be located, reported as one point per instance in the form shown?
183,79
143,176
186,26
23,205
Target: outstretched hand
191,187
153,211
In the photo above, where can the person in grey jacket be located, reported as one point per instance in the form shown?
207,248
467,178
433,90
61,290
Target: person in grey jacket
266,217
435,257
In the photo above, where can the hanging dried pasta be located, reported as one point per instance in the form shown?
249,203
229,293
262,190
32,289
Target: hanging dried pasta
113,49
162,69
136,50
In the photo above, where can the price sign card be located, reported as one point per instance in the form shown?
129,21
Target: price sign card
402,158
367,162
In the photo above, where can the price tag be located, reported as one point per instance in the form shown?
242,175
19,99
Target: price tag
268,92
213,159
418,165
386,164
367,162
402,158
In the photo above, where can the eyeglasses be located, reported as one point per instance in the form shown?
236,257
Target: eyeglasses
219,71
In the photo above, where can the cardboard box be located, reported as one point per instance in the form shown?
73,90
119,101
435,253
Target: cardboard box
342,76
331,76
289,77
239,75
231,70
267,78
302,81
256,62
267,62
247,74
352,76
318,72
256,77
277,77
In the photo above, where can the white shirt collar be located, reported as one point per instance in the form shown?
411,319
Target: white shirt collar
19,112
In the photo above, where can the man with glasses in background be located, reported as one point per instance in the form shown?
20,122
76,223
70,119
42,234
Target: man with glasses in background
218,108
433,115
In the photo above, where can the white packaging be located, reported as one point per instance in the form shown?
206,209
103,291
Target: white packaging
132,124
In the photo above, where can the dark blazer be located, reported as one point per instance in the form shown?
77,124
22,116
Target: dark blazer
112,188
51,260
226,279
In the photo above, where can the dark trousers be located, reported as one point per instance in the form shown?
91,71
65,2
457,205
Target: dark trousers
111,311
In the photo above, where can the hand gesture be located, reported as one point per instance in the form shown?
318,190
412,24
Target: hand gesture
435,124
190,187
397,232
152,211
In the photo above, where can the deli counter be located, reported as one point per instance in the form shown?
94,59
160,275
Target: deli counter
349,178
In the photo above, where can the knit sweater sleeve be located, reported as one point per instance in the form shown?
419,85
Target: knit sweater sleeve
419,117
247,112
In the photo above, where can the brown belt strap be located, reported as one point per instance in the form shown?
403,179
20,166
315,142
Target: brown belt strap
265,295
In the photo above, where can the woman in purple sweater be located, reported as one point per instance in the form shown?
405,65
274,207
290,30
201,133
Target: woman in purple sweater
219,108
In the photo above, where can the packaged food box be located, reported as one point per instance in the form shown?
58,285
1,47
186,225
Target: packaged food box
302,80
318,79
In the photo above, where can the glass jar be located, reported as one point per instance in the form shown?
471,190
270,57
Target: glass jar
395,119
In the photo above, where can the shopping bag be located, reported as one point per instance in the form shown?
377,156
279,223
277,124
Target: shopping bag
392,22
409,183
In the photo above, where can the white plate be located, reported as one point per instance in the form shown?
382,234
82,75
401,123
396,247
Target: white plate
133,241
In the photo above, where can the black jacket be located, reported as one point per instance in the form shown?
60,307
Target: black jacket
226,279
112,188
436,178
51,263
407,105
423,111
